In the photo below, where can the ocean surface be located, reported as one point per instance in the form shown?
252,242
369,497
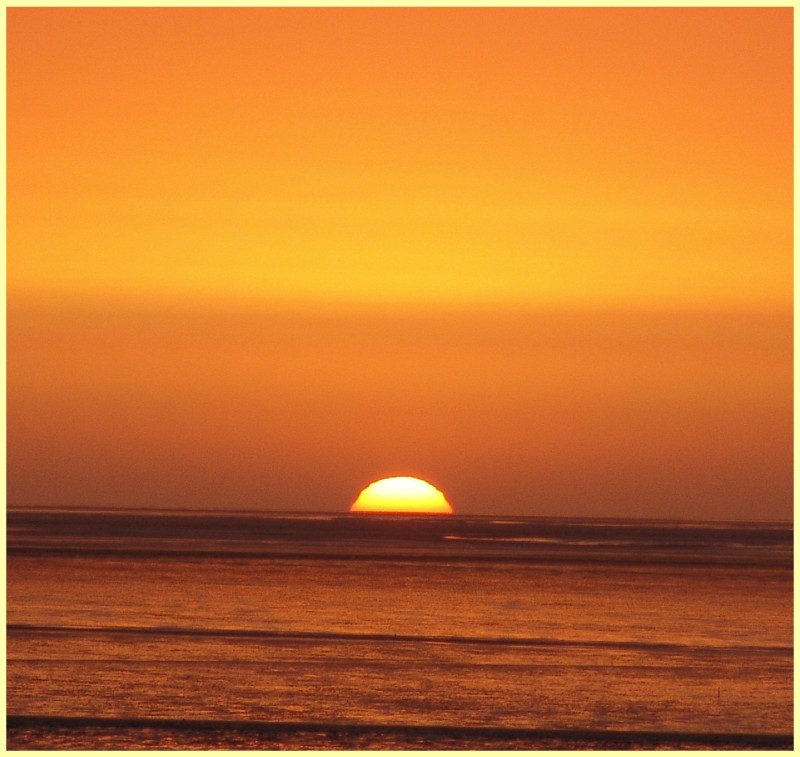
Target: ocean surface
201,630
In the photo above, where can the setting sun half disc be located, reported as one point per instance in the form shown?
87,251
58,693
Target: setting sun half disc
402,494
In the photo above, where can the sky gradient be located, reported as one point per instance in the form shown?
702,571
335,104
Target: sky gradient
541,258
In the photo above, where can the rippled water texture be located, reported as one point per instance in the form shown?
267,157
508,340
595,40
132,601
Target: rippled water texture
583,635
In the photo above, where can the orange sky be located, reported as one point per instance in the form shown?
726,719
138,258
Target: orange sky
540,257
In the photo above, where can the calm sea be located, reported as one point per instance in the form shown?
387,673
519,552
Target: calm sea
164,630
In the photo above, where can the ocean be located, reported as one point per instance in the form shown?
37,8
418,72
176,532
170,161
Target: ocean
211,630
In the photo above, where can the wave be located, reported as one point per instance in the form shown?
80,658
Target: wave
463,734
508,641
547,540
394,554
456,539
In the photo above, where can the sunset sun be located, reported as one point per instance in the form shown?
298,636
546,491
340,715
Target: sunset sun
401,494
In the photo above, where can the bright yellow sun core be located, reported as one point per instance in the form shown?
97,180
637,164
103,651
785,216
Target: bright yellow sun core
402,494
